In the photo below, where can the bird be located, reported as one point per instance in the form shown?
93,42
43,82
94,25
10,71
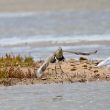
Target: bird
104,63
57,56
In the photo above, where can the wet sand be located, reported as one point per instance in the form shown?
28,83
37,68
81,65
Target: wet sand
82,70
45,5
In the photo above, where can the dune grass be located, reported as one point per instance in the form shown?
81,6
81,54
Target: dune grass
9,60
10,66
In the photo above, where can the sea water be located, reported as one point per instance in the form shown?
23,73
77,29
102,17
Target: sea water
77,96
40,33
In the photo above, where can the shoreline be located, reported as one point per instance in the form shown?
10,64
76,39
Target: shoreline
82,70
63,43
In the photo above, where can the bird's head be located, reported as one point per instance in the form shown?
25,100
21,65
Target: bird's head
59,49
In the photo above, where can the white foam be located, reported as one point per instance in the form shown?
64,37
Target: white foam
17,40
18,14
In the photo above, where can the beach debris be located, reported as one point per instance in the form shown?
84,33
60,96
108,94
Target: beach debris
105,63
96,71
82,58
57,56
73,69
58,98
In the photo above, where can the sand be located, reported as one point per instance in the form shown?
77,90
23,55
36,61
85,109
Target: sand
73,71
52,5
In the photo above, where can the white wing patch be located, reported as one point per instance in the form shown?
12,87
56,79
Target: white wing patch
105,62
42,68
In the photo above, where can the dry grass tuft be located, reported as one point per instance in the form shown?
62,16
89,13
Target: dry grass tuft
10,60
12,66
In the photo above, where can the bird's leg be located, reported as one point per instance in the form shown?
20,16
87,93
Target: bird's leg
48,69
52,70
56,70
61,70
60,67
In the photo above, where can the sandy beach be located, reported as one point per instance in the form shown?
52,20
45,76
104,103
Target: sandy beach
82,70
53,5
22,27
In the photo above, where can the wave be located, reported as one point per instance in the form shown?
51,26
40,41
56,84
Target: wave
27,14
18,14
19,40
49,13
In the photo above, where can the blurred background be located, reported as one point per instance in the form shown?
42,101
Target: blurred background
39,27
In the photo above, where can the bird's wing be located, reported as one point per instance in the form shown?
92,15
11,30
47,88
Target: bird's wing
81,53
40,71
105,62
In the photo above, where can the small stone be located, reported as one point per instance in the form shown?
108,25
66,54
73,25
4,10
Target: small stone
44,78
82,80
95,71
72,65
73,69
84,65
82,58
97,76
